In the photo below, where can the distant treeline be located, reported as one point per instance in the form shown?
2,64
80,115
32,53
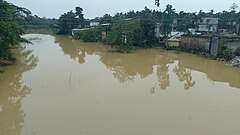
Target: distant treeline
35,22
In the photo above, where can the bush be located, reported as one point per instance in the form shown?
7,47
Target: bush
177,50
1,71
78,35
125,48
91,35
228,54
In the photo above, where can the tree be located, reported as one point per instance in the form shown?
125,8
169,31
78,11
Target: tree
227,19
168,15
148,23
67,22
70,20
126,34
233,7
186,20
106,19
78,12
11,28
36,22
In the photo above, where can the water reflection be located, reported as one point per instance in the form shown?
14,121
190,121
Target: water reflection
127,66
12,91
78,52
184,75
142,63
214,70
163,71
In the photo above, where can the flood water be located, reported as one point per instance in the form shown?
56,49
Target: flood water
61,86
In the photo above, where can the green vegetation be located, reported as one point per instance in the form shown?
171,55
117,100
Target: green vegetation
228,54
88,35
92,35
36,22
125,35
71,20
167,19
11,18
148,24
78,35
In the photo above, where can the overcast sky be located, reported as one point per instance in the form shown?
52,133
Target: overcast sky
94,8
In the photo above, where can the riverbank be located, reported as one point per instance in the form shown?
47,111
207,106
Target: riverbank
228,59
235,62
227,55
224,49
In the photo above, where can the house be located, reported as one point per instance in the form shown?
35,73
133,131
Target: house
176,34
172,42
192,31
78,30
208,24
94,24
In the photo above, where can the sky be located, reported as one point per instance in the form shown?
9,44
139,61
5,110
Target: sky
97,8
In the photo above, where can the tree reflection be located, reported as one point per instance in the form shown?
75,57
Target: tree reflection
184,75
126,67
78,50
163,77
121,74
12,91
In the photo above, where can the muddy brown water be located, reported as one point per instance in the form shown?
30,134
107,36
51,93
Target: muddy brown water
60,86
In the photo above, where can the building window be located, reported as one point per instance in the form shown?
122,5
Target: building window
208,20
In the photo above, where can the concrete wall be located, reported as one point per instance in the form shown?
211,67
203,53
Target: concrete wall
215,48
194,42
203,27
238,29
232,43
203,43
94,24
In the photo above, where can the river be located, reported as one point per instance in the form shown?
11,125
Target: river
61,86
